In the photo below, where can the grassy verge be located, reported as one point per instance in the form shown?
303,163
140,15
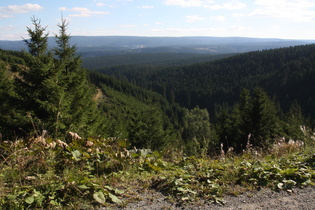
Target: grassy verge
86,173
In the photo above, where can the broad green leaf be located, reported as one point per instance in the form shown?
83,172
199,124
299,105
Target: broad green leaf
30,199
119,192
280,185
185,198
99,197
109,188
180,189
114,198
54,203
83,187
11,197
76,155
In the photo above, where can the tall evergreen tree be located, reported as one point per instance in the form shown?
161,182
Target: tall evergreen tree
254,118
53,89
265,123
293,119
33,85
77,109
146,130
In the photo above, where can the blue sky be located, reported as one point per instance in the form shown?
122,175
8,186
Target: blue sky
290,19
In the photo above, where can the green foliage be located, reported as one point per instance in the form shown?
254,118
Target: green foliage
51,90
56,174
283,174
293,120
146,130
285,74
254,120
197,133
38,42
89,173
144,117
136,60
263,119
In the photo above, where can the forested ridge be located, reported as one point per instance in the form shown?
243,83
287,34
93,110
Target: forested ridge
156,59
72,136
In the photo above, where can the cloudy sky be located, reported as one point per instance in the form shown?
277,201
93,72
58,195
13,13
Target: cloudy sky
290,19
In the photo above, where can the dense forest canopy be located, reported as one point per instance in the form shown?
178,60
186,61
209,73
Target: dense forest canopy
286,74
251,98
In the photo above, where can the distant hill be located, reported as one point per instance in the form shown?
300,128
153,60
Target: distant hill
90,46
156,59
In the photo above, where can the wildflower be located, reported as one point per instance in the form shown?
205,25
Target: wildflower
61,143
74,136
89,143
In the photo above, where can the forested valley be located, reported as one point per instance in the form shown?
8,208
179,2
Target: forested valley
147,118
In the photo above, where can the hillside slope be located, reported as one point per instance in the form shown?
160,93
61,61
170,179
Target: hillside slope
287,74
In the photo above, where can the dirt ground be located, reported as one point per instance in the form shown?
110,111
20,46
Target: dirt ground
263,199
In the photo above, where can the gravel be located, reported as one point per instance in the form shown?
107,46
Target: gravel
263,199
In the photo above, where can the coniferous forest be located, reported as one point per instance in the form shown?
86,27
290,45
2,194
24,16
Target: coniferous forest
70,135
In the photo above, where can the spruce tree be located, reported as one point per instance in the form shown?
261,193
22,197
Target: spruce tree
52,89
146,129
253,119
264,117
78,111
292,121
34,87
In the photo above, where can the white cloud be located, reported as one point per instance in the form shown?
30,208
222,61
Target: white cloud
186,3
82,12
146,7
237,15
193,18
6,28
208,4
295,10
132,26
233,5
218,18
16,9
100,4
2,16
240,28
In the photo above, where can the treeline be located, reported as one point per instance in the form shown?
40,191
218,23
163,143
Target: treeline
158,59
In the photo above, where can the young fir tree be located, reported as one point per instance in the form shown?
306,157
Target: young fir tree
76,111
35,93
264,119
53,89
254,118
293,120
146,130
